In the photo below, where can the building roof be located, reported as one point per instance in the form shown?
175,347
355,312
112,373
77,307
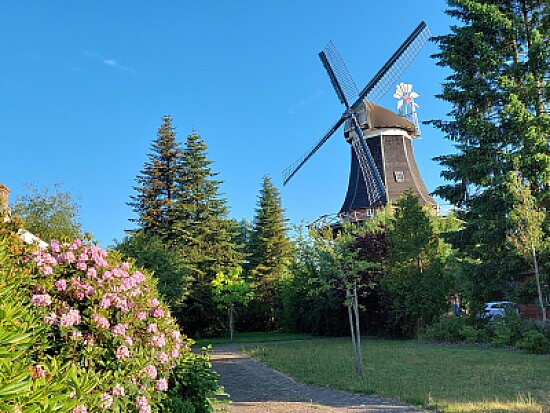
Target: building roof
379,118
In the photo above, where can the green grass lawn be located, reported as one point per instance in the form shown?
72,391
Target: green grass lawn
252,338
449,378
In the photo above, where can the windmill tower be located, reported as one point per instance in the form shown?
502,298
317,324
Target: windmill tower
383,165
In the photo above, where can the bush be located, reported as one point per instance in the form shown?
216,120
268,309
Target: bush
507,331
103,315
193,386
27,384
446,329
80,331
534,341
471,334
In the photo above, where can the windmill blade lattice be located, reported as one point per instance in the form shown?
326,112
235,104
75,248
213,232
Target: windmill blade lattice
395,66
339,75
289,172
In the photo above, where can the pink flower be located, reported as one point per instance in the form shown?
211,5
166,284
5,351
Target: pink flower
41,300
54,245
81,266
80,409
38,372
77,243
118,390
152,328
100,322
119,329
143,404
122,352
150,371
91,273
47,270
158,340
107,401
129,340
142,315
162,384
174,354
51,319
72,318
157,312
162,357
153,303
61,285
76,335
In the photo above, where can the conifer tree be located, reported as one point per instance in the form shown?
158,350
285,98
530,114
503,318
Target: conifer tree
270,250
203,234
499,122
156,190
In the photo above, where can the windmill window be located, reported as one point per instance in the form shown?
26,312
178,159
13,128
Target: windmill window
399,176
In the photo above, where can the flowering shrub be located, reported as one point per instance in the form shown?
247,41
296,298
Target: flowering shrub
30,380
104,316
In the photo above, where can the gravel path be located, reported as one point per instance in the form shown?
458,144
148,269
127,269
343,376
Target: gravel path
255,388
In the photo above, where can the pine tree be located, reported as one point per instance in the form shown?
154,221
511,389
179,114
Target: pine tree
203,234
270,249
499,123
156,188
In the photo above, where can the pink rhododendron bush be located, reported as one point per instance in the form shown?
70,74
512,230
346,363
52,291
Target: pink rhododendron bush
103,315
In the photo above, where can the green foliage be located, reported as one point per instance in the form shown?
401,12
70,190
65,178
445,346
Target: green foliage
24,384
534,341
151,253
269,252
447,329
416,283
156,190
49,214
203,235
193,386
103,328
178,200
499,123
471,334
527,234
231,289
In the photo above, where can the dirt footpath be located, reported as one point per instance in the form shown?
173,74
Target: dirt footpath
255,388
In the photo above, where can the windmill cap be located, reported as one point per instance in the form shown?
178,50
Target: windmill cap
380,118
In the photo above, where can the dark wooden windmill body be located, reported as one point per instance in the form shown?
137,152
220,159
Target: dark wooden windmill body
389,139
383,166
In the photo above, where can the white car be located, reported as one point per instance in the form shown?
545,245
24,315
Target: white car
498,309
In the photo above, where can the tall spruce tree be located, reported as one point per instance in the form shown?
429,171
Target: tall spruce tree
203,234
269,251
499,122
156,190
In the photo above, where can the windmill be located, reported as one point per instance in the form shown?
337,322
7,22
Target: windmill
383,166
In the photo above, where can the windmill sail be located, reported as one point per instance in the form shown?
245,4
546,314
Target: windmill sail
396,65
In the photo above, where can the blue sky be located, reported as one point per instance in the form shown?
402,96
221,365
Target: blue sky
84,84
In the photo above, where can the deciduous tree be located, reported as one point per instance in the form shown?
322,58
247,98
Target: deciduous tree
49,214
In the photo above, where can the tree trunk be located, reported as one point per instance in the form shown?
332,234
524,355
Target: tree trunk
353,308
230,315
537,278
358,331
